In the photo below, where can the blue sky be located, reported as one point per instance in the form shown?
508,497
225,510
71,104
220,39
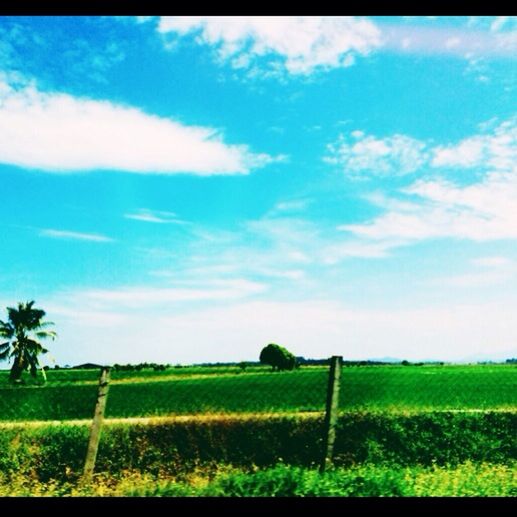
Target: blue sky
189,189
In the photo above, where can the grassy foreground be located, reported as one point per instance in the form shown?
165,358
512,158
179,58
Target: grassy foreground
467,479
48,452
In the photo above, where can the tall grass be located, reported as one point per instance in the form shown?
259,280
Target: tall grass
425,439
467,479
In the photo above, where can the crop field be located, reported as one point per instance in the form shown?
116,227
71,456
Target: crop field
70,394
402,430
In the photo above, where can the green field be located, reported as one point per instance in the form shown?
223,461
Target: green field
70,394
403,430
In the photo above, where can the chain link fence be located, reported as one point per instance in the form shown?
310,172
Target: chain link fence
211,412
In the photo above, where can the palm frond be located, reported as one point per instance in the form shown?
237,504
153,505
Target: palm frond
46,334
33,347
6,330
25,327
45,324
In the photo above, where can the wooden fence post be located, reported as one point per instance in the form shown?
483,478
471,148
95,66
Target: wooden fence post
95,432
331,411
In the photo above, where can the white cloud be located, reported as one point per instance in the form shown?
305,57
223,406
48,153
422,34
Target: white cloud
490,271
57,132
294,205
452,42
85,317
63,234
313,329
335,253
492,262
360,154
459,42
466,154
483,211
290,252
473,280
144,19
297,45
499,22
291,274
405,43
507,41
285,231
497,150
163,297
154,216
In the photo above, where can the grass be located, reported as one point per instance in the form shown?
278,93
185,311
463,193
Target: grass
468,479
428,430
70,394
49,451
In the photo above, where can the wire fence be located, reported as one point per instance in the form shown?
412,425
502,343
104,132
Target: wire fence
235,393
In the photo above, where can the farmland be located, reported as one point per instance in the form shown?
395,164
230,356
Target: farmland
403,430
70,394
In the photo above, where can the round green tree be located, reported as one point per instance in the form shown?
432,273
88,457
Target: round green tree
278,357
23,330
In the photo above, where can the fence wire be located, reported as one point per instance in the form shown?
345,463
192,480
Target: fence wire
233,393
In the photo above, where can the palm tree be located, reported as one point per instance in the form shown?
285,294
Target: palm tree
23,328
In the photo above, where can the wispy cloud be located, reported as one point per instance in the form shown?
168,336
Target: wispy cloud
492,262
292,206
78,236
278,245
136,297
483,211
57,132
501,22
481,279
239,330
492,23
296,45
154,216
335,253
460,42
488,272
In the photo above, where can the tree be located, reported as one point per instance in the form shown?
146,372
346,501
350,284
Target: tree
23,330
278,357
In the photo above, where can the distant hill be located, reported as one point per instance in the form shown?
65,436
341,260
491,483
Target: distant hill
386,359
498,357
